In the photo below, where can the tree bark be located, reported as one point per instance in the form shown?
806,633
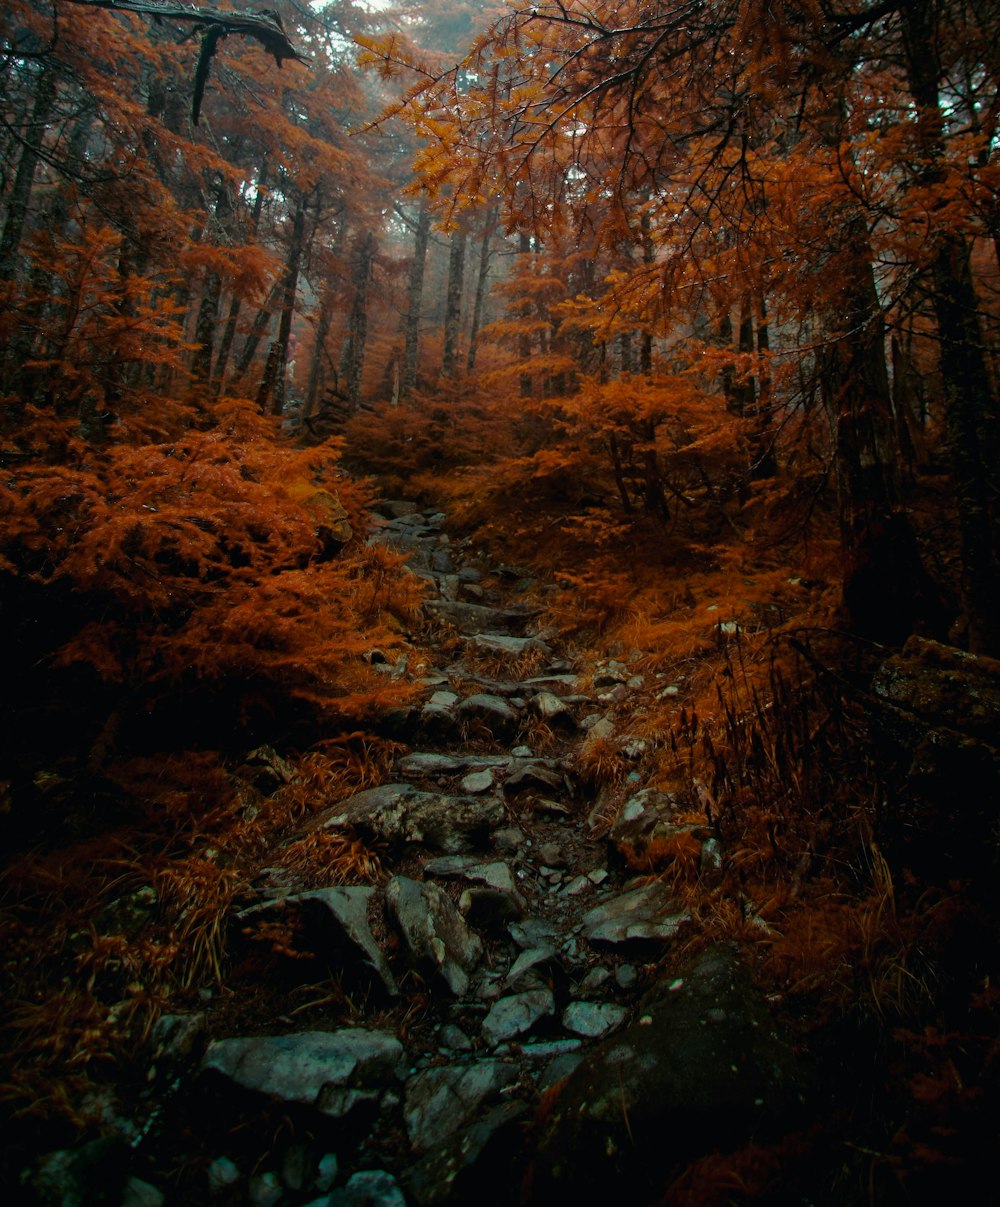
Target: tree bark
453,305
24,179
481,278
353,361
414,298
273,383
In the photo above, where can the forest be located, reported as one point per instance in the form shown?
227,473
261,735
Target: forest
500,591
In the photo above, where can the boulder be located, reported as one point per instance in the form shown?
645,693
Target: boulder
491,711
440,1101
332,1071
434,933
516,1014
703,1068
644,914
338,920
470,618
510,647
399,813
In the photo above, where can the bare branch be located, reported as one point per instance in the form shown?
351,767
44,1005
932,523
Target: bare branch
264,27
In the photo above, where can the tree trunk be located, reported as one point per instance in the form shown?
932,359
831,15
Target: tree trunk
414,298
972,415
20,194
273,384
481,278
235,305
453,305
353,361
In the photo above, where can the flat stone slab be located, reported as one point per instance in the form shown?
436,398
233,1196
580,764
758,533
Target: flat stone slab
470,618
511,647
329,1070
646,913
431,763
399,813
516,1014
442,1100
493,711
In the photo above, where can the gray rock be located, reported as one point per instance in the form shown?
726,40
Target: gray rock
454,1037
472,619
511,647
442,1100
366,1188
594,979
431,763
593,1020
399,813
626,976
516,1014
442,562
435,936
492,711
138,1193
332,1071
646,913
702,1069
345,911
553,710
470,1166
601,730
646,815
326,1172
531,958
537,773
533,932
222,1173
394,508
477,781
444,699
265,1190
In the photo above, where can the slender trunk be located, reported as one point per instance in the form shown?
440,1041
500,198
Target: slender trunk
524,340
273,383
20,195
354,352
235,305
453,305
414,298
972,414
481,278
323,322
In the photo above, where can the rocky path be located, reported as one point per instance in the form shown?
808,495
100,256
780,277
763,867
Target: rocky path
507,950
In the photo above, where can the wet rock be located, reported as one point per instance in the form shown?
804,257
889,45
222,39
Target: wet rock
336,918
703,1068
647,913
442,1100
593,1020
433,931
333,1071
399,813
516,1014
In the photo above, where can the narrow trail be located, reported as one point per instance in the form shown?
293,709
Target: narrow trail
506,941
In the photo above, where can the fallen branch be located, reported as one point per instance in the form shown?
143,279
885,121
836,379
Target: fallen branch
264,27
